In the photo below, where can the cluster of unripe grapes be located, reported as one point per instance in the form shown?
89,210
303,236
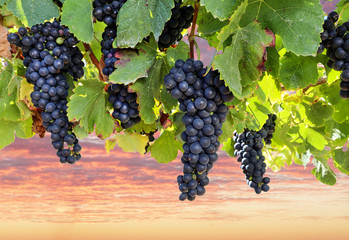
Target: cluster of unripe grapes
181,19
335,40
202,99
49,52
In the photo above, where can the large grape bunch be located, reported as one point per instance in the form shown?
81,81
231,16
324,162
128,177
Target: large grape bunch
248,150
202,99
336,40
49,52
181,19
124,102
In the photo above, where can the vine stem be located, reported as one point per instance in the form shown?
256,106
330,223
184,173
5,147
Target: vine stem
95,62
193,28
320,81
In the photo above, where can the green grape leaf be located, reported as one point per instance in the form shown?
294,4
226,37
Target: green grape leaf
32,12
160,13
138,18
317,113
110,144
133,143
79,22
270,88
133,65
167,100
89,104
338,132
134,23
98,28
227,128
80,132
2,2
241,64
148,88
341,160
8,130
233,25
142,127
207,23
298,71
165,148
228,147
297,22
181,51
272,64
9,95
259,111
323,172
313,137
219,9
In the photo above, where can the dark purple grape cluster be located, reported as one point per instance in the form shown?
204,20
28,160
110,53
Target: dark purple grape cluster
335,40
125,105
124,102
181,19
49,51
248,150
202,99
107,11
268,129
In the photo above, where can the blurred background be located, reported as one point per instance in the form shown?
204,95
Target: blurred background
129,196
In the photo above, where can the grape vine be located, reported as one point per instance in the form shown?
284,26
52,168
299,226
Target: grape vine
269,100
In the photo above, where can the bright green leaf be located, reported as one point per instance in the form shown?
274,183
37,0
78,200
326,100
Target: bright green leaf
79,22
148,88
297,22
138,18
132,142
341,160
32,12
133,65
219,9
323,171
88,105
165,148
298,71
239,64
207,24
181,51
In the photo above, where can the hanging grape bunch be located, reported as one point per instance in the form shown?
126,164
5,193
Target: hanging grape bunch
107,12
123,101
335,40
268,129
248,151
49,52
125,105
181,19
202,99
